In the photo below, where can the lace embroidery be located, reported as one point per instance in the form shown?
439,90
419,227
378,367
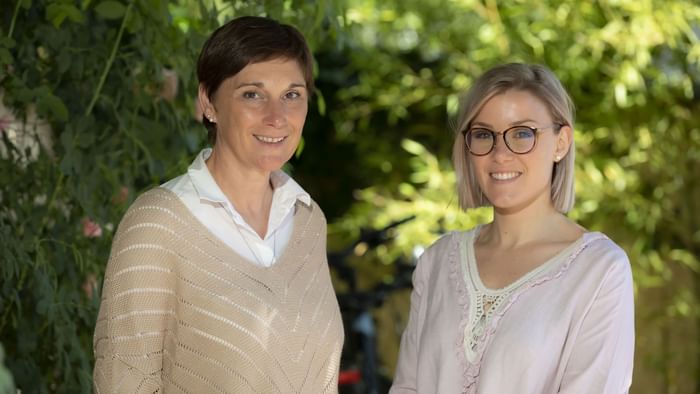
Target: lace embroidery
483,306
482,310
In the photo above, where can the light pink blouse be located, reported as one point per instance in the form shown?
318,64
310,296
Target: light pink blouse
565,327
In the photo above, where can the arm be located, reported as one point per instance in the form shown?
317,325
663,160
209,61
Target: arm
603,352
407,365
135,307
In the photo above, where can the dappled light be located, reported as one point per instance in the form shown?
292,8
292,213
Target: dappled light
99,105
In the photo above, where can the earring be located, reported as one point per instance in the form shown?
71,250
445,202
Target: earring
557,158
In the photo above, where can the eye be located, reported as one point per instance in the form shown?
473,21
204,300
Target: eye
251,95
292,95
480,134
523,133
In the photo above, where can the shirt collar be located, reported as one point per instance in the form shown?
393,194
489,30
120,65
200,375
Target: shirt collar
203,182
286,190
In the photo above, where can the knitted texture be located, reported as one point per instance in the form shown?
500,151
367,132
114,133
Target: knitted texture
182,312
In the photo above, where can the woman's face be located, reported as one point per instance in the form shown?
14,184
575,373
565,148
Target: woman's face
259,114
510,181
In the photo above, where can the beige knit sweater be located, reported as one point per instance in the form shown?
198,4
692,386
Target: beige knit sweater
182,312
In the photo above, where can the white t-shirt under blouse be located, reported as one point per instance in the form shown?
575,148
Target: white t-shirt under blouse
203,197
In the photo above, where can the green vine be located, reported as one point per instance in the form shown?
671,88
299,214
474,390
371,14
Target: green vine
14,19
108,65
75,174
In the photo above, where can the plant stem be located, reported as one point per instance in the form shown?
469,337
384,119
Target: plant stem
14,19
95,96
18,287
108,66
59,184
8,308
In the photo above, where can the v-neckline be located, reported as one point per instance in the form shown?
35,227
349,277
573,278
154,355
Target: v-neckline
469,257
225,253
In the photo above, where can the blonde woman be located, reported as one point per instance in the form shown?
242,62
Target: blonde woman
531,302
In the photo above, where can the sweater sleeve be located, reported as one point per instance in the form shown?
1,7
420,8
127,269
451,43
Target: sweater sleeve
407,364
603,353
136,304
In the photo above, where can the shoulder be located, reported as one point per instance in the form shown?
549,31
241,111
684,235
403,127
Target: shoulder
157,199
444,251
153,225
313,210
156,195
449,242
180,185
602,260
600,249
440,261
157,206
309,219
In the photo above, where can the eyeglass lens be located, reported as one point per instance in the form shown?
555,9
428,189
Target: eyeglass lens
518,139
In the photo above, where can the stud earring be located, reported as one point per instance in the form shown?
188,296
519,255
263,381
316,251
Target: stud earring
557,158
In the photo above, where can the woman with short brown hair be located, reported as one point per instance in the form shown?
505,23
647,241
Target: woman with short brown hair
218,279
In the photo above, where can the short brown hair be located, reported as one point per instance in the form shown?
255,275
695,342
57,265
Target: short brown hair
246,40
539,81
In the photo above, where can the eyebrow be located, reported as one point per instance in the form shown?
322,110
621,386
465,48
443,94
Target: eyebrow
516,123
262,85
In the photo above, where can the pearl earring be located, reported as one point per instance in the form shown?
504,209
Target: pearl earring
557,158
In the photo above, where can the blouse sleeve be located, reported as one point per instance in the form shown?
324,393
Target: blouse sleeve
134,310
603,353
407,364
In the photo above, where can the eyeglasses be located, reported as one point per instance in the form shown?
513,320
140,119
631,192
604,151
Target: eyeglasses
519,139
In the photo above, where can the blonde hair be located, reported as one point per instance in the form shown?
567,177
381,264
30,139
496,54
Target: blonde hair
539,81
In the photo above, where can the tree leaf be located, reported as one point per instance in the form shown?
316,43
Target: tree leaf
48,103
57,13
110,9
320,102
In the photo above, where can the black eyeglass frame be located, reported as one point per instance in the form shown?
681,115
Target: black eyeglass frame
535,130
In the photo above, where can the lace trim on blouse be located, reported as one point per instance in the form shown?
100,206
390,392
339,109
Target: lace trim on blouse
483,308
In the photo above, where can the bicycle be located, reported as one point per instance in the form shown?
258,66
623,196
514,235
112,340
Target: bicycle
359,364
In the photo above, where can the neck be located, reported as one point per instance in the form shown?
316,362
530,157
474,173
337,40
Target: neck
249,191
514,228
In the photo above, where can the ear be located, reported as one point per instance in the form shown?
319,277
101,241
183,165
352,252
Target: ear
205,104
564,140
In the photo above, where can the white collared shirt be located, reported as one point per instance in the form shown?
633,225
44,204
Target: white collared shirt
201,194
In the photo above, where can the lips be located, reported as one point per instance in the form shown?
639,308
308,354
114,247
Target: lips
269,140
504,176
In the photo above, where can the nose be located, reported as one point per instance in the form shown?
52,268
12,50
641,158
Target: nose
275,114
500,150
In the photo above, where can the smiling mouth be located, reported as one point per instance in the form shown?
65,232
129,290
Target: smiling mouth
504,176
269,140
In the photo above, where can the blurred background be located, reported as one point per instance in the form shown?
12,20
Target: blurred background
97,105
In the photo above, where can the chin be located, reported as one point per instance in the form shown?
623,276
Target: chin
272,164
503,202
505,205
507,209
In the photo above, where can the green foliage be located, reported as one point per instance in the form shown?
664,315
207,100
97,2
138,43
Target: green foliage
97,105
632,68
87,127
